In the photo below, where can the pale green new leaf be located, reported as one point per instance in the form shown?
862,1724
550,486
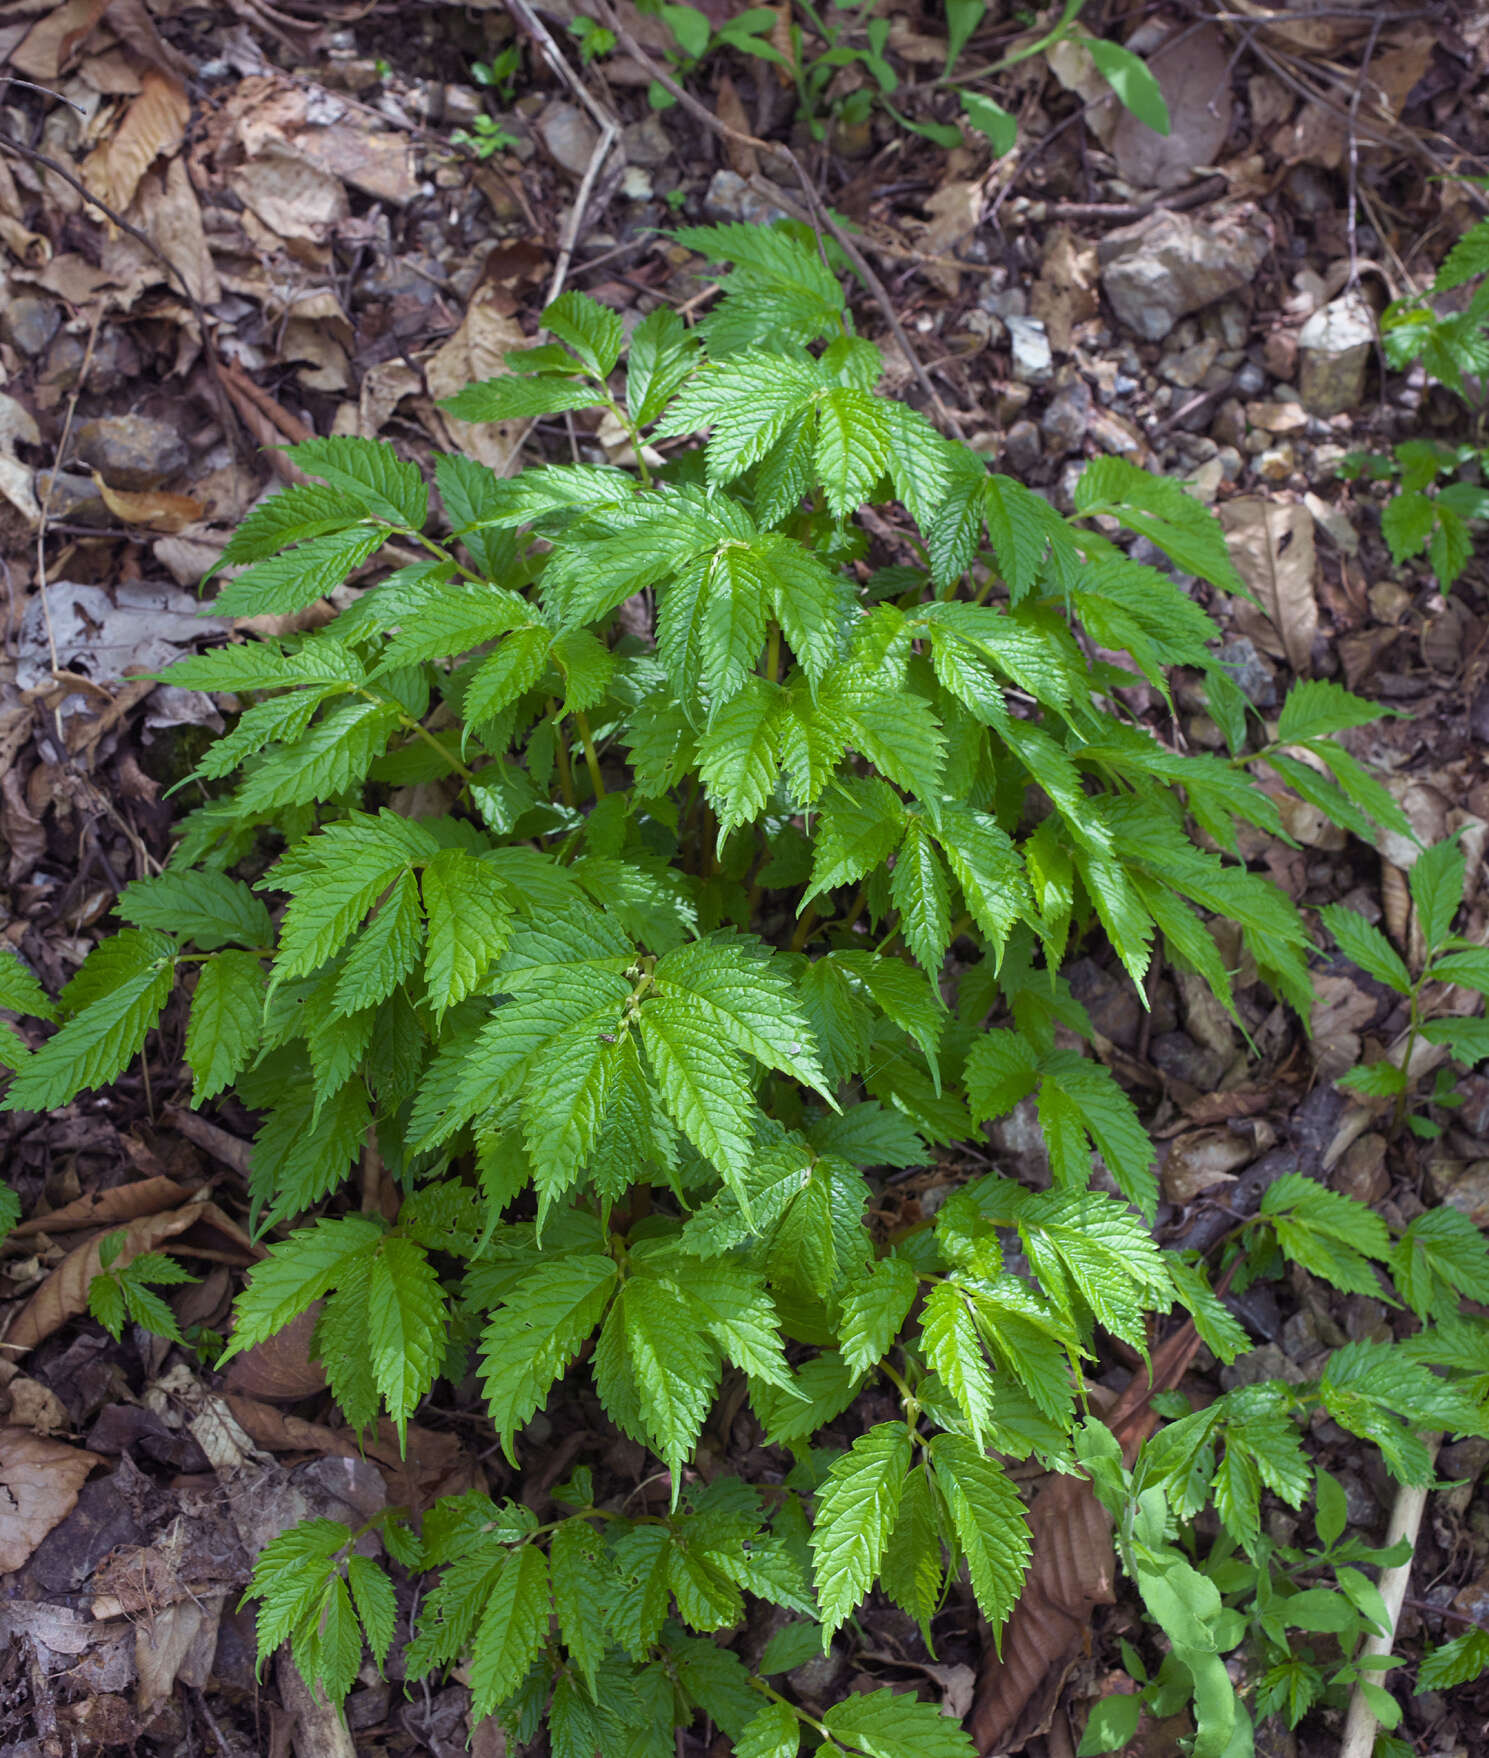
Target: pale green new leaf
468,912
406,1325
773,1733
593,331
989,1520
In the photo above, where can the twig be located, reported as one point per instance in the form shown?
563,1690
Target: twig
820,216
609,134
228,1149
1406,1520
549,50
1354,153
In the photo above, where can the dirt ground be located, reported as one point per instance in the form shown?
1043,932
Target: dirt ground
223,227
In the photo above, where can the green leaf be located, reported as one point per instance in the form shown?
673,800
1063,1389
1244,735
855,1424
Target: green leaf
655,1373
204,907
385,952
1158,508
293,581
1367,947
1130,78
95,1045
406,1325
1316,708
468,913
663,356
1111,1724
578,1594
773,1733
592,330
369,472
989,1520
377,1610
855,1515
20,991
531,1339
998,125
1329,1234
512,398
295,514
1458,1662
893,1724
952,1346
919,891
702,1084
1441,1258
1436,880
873,1310
296,1273
222,1033
514,1624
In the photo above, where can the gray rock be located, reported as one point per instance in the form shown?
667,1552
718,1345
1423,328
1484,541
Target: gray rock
1187,366
1021,447
729,197
132,451
1253,675
74,499
1033,363
647,142
1007,302
569,136
1064,422
1250,380
1170,264
29,323
1333,348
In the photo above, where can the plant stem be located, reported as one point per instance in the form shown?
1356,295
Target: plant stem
804,925
1398,1116
561,758
591,756
773,653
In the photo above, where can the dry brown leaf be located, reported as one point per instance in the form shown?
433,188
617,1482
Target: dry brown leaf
280,1367
177,1642
134,26
743,159
1202,1160
292,196
1193,70
53,41
64,1294
169,214
1271,543
1072,1568
475,352
154,507
1066,292
39,1484
154,127
108,1208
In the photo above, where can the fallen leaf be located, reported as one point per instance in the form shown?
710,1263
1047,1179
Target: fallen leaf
154,507
154,126
53,41
280,1367
1193,71
1271,543
291,195
134,26
170,215
107,1208
475,352
64,1294
743,159
39,1484
1201,1160
179,1641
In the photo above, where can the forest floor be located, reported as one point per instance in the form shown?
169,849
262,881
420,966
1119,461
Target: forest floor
302,237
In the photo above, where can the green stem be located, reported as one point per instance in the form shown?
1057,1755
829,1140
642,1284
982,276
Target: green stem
591,756
773,653
1398,1116
804,925
438,549
633,433
410,724
561,758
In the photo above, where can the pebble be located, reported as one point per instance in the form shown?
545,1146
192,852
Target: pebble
1188,366
1469,1192
1250,379
1064,422
1170,264
1280,354
1253,676
1021,447
1264,1363
1362,1171
647,142
1231,463
636,184
729,197
1033,362
1276,463
132,451
569,136
1277,417
1334,347
1006,302
75,500
1229,426
1205,480
28,323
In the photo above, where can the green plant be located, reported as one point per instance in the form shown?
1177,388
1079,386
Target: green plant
485,137
1436,884
696,38
660,865
124,1291
595,42
1425,513
500,72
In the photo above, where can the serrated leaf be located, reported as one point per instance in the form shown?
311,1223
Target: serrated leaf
872,1311
772,1733
514,1623
204,907
953,1349
222,1033
294,580
94,1046
1436,881
296,1273
592,330
1366,946
294,515
377,1610
652,1362
514,398
385,952
702,1084
856,1512
920,893
469,913
20,991
578,1594
370,472
406,1325
893,1724
531,1339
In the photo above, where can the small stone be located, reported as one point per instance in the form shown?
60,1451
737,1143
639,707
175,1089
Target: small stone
29,323
1280,354
1170,264
1361,1507
1469,1192
74,499
1265,1363
1250,379
1276,463
816,1678
1277,417
461,105
1064,422
1187,366
1254,677
1033,362
1113,433
1300,1337
1012,401
1333,348
1006,302
1021,447
1231,463
1362,1171
729,197
1205,480
1229,426
132,451
636,184
569,136
1466,1458
647,142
